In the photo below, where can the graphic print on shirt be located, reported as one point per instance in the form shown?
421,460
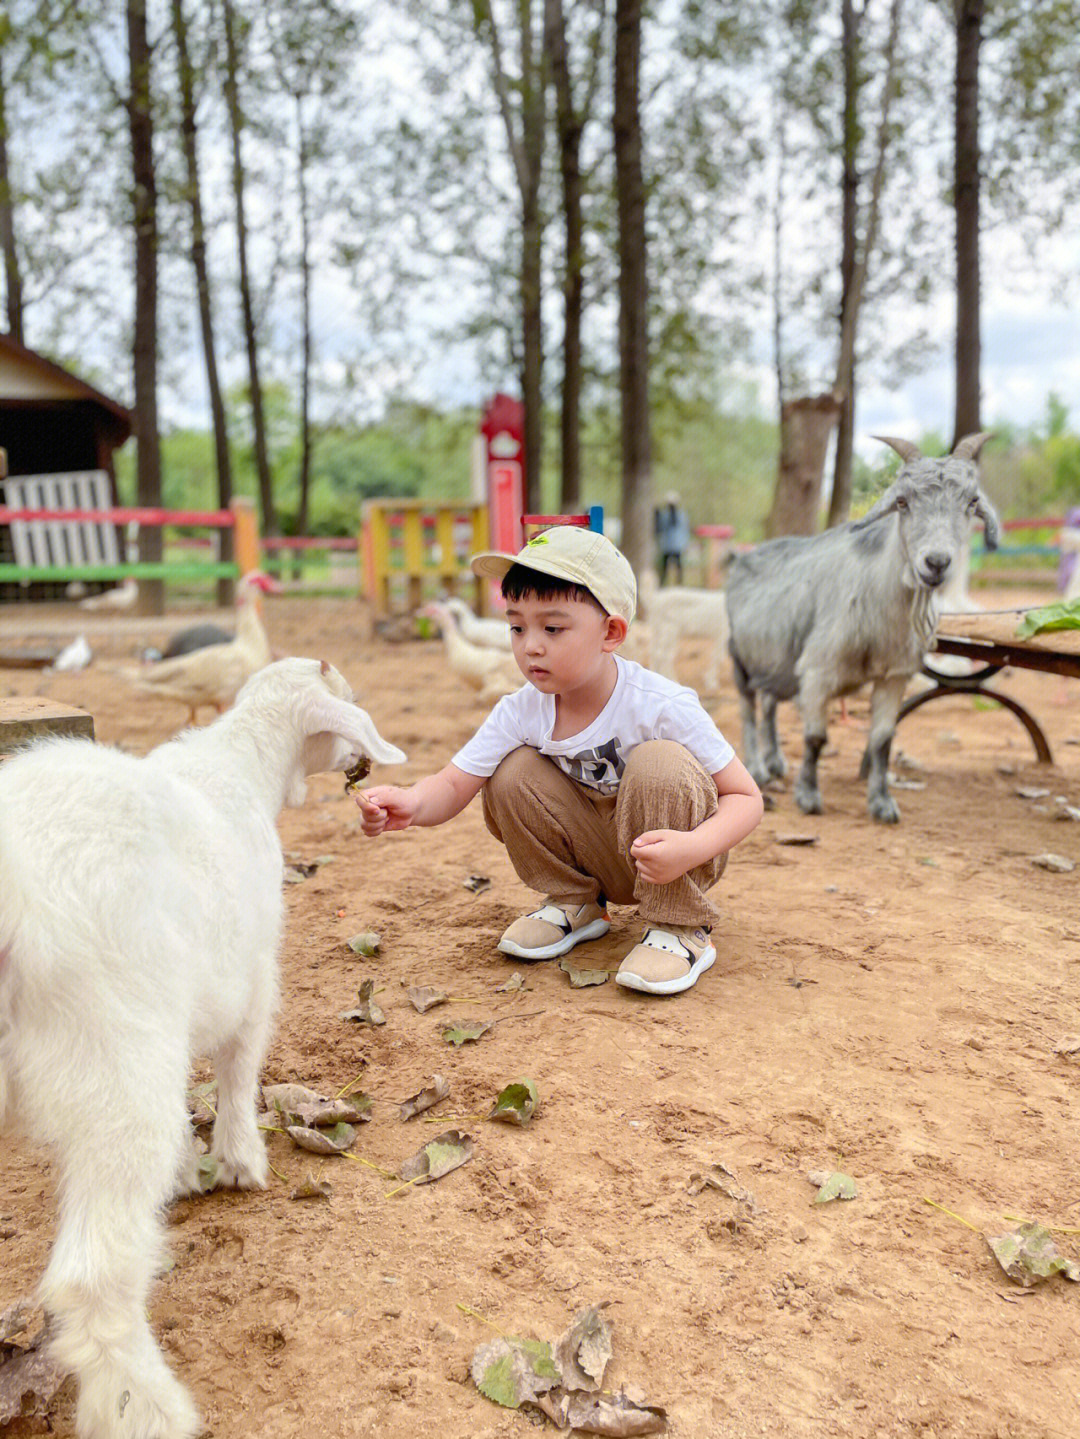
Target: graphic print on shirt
600,768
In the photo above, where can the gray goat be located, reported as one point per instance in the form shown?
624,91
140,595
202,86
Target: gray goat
818,616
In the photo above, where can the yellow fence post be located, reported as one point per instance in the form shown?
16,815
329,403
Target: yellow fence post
423,549
246,548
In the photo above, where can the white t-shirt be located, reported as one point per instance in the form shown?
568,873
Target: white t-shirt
643,706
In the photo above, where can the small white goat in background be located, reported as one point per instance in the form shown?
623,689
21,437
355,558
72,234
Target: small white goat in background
676,612
140,919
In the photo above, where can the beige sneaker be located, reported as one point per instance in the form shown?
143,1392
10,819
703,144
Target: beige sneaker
554,929
669,959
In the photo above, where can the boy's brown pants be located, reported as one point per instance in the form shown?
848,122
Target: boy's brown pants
569,841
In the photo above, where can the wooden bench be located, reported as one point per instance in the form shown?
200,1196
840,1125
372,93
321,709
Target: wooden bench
27,717
990,640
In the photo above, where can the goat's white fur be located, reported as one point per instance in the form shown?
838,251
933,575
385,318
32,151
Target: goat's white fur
140,918
676,612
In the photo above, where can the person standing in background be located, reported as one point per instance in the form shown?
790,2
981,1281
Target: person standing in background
671,526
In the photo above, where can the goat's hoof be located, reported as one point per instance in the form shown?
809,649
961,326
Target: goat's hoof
243,1172
161,1409
808,800
885,811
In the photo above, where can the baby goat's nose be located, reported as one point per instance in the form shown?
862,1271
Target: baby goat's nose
936,563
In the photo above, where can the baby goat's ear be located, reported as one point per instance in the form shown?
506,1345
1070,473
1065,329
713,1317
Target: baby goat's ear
326,713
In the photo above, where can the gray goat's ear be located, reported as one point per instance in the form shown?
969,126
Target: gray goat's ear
884,506
904,448
968,448
991,527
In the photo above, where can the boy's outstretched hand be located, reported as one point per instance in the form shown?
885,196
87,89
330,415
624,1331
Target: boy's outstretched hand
661,855
385,807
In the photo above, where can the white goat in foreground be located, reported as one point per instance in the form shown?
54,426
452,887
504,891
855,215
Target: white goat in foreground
817,616
140,918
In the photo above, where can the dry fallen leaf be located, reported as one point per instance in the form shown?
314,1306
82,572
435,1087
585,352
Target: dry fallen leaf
439,1156
582,1353
513,1371
516,1104
514,983
832,1185
582,978
366,1011
719,1176
311,1188
365,943
465,1030
614,1414
477,883
424,998
1028,1255
417,1103
28,1378
322,1141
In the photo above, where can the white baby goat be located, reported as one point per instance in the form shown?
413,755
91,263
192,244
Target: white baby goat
677,611
140,917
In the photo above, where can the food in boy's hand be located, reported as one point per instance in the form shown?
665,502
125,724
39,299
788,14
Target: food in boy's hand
359,772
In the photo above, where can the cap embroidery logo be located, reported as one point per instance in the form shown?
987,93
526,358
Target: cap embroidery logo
537,540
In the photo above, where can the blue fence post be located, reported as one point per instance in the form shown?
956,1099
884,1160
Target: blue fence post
596,518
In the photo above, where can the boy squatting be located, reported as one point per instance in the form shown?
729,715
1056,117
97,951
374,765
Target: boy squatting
604,780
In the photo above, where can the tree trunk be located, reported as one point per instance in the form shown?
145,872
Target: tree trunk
857,257
189,140
570,124
637,535
969,20
12,269
805,427
144,348
258,422
849,239
527,156
533,130
305,321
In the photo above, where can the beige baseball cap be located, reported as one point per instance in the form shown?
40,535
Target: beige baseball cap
580,556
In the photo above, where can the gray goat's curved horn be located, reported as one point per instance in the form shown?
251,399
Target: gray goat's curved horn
904,448
968,448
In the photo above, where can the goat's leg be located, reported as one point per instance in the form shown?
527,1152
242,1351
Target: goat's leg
774,761
748,714
813,704
237,1144
118,1151
885,702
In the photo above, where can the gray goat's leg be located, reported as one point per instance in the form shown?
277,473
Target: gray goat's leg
748,715
885,701
774,762
813,705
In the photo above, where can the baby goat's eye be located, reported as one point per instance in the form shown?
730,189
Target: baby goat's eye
973,504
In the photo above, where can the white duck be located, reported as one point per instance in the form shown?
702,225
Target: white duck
123,597
491,672
214,674
492,634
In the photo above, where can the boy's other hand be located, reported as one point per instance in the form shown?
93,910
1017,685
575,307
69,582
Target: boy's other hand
385,807
660,855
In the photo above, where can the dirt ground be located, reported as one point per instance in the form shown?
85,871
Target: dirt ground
887,1001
